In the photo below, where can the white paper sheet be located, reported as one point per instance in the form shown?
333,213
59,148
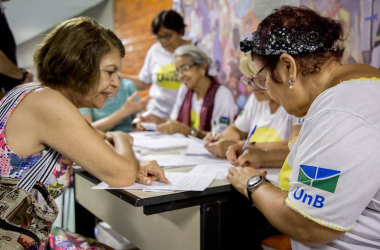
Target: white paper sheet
179,182
183,182
144,134
196,148
219,170
160,143
170,161
104,185
149,126
199,141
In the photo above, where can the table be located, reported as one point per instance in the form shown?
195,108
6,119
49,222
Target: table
217,218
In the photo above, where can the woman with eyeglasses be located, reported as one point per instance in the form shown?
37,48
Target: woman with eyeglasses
202,104
274,126
333,193
159,70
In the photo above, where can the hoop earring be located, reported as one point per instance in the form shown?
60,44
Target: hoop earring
291,82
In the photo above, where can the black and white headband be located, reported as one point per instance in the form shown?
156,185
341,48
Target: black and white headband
283,40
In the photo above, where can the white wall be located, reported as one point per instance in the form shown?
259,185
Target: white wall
102,12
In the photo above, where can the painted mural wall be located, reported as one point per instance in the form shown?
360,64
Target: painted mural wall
221,24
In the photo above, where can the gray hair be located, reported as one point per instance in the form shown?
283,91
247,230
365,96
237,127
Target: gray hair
197,55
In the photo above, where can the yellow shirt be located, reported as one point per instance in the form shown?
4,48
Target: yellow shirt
283,177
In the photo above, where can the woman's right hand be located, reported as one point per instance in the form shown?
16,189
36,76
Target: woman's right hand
251,157
209,138
134,106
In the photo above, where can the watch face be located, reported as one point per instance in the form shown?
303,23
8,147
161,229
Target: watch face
254,181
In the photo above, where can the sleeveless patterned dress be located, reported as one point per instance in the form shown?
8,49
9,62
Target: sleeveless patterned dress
13,165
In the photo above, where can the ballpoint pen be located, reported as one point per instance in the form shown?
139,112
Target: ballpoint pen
145,114
248,139
213,130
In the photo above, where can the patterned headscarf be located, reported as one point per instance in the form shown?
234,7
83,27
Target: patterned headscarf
284,40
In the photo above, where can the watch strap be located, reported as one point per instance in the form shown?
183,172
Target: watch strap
250,196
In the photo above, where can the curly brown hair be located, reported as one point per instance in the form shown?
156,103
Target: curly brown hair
302,20
70,55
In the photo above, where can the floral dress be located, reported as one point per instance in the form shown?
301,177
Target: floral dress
13,165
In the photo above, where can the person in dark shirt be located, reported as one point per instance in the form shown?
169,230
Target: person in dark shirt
10,74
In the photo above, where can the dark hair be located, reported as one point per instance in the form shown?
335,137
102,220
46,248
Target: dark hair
170,20
71,54
303,21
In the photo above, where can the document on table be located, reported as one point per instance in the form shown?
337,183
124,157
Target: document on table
144,134
149,126
179,182
197,148
219,170
162,143
104,185
170,161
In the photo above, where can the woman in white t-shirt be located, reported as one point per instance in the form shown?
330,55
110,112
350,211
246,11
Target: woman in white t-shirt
159,70
274,126
333,193
202,104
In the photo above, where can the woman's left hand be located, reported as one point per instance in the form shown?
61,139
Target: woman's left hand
150,171
219,148
172,127
239,176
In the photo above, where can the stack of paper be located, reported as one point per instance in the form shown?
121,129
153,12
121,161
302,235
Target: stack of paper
162,143
156,141
179,182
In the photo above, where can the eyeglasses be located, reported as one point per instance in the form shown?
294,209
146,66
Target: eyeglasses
257,81
185,68
165,36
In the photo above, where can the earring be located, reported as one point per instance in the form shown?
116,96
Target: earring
291,82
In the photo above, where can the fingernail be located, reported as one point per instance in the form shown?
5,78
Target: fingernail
148,182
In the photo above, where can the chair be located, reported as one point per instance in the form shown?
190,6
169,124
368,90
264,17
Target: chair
279,242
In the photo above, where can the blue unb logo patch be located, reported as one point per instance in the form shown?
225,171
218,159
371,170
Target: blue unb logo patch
322,178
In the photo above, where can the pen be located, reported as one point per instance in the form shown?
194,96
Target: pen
248,139
145,114
213,130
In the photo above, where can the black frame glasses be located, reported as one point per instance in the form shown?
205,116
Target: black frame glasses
256,80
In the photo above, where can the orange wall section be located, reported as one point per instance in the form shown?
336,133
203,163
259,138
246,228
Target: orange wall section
132,20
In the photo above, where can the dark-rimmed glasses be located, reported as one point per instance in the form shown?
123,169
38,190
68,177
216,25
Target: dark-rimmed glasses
185,68
257,81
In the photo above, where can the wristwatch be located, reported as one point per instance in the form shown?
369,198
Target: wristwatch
253,183
194,132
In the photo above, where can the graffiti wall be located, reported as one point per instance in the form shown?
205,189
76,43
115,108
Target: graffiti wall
221,24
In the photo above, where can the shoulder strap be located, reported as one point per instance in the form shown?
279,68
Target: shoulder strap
40,171
10,100
43,168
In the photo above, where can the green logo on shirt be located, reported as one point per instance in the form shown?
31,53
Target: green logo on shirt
321,178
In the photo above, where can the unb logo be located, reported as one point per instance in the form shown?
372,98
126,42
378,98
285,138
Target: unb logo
322,178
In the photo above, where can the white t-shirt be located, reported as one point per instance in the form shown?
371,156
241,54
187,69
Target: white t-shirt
223,113
270,127
335,178
159,69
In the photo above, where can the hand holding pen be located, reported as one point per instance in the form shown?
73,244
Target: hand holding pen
212,136
242,155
